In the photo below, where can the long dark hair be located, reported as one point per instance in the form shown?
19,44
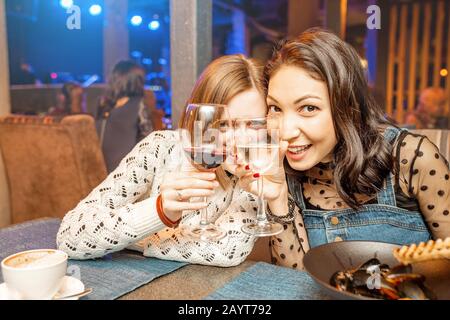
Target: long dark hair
362,157
127,80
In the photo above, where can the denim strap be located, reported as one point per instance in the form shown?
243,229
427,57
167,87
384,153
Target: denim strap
391,133
386,195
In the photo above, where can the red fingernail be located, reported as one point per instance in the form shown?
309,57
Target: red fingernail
256,175
247,167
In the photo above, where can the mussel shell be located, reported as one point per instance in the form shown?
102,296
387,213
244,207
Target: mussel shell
341,280
428,293
384,269
412,290
360,278
401,269
366,292
388,290
370,263
402,277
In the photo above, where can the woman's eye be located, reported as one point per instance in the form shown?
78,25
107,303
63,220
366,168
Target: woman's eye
308,109
274,109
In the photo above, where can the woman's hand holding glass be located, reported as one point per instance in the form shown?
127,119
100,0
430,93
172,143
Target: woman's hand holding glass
258,149
186,191
275,185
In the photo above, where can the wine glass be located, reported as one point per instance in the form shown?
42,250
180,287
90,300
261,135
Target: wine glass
203,130
257,142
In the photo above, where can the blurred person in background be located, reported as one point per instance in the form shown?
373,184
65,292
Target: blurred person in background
25,75
70,100
124,115
431,113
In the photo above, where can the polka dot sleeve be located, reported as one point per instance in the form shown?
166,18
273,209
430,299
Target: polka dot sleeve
425,175
289,247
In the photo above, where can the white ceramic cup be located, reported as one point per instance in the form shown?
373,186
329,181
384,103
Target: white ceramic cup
35,274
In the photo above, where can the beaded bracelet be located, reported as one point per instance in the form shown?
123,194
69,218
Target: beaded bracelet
287,218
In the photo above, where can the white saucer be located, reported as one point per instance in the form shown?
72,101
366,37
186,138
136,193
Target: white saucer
70,285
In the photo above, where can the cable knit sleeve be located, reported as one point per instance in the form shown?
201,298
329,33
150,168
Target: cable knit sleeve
115,215
169,244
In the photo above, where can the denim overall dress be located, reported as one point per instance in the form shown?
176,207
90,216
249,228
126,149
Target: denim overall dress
383,221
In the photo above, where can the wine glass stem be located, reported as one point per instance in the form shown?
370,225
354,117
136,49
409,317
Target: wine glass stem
204,214
261,215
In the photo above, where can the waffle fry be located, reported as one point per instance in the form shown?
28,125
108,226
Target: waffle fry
432,250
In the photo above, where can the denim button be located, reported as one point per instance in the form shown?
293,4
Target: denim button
334,221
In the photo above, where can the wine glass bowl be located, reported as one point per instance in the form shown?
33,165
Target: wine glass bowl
257,143
202,131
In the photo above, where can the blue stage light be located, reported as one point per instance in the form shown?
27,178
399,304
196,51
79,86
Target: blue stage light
66,3
136,54
95,10
136,20
154,25
147,61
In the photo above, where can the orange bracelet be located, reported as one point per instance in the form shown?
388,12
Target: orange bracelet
159,208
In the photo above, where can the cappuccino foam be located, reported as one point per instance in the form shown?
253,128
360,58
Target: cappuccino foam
35,259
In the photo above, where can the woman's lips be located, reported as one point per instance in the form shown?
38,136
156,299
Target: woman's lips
298,152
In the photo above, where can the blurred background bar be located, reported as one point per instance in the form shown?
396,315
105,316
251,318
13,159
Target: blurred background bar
302,14
5,107
191,47
115,34
336,16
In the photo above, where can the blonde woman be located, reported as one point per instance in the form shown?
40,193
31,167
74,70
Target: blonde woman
122,211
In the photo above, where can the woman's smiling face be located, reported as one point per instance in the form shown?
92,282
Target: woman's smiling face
307,125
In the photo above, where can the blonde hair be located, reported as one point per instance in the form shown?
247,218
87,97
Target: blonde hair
222,80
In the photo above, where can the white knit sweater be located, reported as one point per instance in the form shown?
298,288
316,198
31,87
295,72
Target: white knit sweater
121,213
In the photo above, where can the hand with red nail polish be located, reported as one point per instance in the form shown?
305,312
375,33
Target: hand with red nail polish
238,169
275,185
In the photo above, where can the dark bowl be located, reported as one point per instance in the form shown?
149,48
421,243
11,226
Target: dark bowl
323,261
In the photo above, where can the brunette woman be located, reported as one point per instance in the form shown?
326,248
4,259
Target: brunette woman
351,174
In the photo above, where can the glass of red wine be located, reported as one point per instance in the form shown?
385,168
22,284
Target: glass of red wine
204,135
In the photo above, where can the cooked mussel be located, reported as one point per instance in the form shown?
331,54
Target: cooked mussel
376,280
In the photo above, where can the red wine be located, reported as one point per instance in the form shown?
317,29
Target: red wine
206,157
